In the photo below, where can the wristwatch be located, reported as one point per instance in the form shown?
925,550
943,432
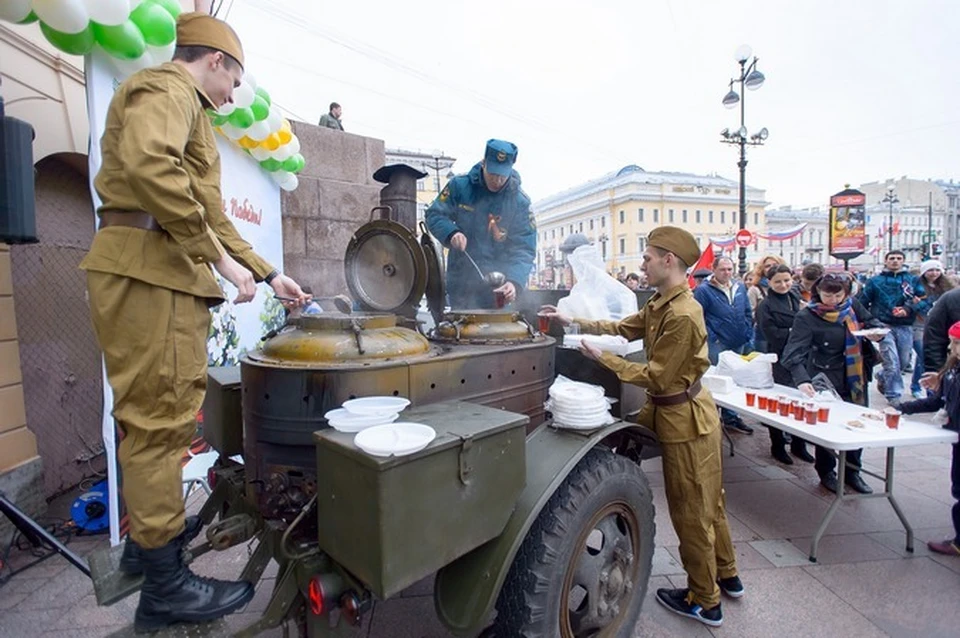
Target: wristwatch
273,275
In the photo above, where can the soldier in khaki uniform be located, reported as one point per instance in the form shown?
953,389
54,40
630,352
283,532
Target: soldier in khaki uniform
684,417
151,288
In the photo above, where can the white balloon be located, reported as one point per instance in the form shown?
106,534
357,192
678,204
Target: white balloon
126,68
227,108
231,131
280,176
14,10
290,184
250,79
243,95
294,145
259,153
108,12
274,120
282,153
258,131
66,16
162,54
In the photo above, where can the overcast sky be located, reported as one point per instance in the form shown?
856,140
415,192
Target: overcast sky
856,91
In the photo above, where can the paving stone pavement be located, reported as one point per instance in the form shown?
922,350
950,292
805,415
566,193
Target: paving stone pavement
864,584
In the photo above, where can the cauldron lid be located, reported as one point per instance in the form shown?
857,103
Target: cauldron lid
385,268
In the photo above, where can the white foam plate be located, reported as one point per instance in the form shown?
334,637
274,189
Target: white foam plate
376,405
395,439
871,331
346,421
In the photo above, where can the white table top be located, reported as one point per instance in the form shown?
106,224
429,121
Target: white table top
835,434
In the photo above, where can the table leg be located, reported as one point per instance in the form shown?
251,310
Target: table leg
726,434
834,506
893,502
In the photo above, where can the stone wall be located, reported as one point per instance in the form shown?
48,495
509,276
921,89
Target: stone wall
334,198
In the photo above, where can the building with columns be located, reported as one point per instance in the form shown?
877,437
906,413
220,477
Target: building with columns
618,210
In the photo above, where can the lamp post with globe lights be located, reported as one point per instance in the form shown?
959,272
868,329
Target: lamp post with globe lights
750,78
890,198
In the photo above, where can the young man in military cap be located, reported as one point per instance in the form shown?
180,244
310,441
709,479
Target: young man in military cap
685,418
487,215
151,283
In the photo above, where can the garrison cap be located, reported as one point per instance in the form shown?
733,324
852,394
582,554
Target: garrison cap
196,29
500,156
676,240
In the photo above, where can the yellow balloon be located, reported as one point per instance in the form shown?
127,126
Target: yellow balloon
285,136
246,142
272,142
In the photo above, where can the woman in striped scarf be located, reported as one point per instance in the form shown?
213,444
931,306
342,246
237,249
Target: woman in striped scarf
821,341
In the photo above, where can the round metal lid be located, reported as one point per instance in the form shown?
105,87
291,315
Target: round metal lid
436,288
385,267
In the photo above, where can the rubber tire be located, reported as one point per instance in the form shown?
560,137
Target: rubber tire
529,603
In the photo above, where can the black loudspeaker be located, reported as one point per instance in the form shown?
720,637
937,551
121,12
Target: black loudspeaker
18,215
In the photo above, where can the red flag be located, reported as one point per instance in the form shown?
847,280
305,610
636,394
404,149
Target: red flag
705,261
896,228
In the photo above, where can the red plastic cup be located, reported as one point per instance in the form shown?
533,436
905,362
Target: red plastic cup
772,405
810,414
798,410
823,413
762,402
751,399
892,417
500,298
544,323
784,408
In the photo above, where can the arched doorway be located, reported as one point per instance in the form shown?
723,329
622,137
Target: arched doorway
59,357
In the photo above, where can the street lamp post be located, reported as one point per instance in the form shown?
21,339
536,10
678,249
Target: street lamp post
752,79
890,198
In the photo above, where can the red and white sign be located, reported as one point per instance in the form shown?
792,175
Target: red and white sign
744,238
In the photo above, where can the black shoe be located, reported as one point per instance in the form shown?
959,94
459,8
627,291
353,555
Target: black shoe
800,451
829,481
732,587
781,455
131,561
739,426
857,484
171,593
680,602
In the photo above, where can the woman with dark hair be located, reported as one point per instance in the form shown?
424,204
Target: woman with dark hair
933,283
775,316
821,341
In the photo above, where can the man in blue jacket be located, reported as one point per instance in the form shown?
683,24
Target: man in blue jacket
726,311
890,297
486,215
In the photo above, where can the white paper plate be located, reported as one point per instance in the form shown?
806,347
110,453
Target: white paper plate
395,439
346,421
871,331
376,405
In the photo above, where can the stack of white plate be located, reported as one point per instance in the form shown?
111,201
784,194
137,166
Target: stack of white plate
366,412
579,406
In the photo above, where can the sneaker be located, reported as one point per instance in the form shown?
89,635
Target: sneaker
680,602
919,394
732,587
948,547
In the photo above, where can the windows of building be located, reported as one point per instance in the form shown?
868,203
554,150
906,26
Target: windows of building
723,217
756,219
656,215
697,217
603,222
580,228
553,233
640,216
683,216
641,244
591,224
561,232
623,246
710,216
670,215
622,218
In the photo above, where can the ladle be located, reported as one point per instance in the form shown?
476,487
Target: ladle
493,279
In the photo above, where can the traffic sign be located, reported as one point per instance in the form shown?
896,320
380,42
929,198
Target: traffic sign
744,238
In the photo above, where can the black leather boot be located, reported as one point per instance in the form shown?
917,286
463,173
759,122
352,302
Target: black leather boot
171,593
799,449
131,561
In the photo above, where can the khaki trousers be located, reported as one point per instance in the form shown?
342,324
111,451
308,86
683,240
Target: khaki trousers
154,346
692,476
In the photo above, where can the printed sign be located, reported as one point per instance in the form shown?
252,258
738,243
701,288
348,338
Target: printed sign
848,227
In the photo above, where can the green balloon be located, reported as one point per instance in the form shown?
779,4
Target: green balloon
263,94
242,118
123,41
31,18
270,165
260,108
75,43
172,6
220,120
155,23
290,164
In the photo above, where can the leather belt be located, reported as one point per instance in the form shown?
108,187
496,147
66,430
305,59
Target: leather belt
132,219
676,399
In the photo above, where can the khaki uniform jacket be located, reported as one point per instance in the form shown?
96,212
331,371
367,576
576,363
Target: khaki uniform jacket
675,341
159,156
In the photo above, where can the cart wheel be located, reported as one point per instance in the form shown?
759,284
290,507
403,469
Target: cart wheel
583,568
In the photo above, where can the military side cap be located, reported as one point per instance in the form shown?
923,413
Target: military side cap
196,29
500,156
676,240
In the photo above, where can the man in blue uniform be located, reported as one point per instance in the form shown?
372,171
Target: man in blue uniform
487,215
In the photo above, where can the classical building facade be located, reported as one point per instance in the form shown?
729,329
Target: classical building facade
618,210
926,212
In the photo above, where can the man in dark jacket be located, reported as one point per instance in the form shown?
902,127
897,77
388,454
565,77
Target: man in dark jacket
726,311
486,215
889,297
936,339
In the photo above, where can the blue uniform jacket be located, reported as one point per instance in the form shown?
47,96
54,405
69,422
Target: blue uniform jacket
886,291
730,324
500,230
